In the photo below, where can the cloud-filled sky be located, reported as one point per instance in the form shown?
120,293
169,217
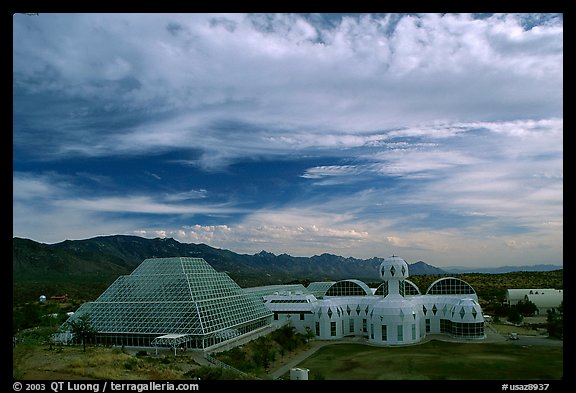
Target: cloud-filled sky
436,137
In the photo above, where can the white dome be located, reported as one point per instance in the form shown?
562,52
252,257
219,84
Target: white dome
394,306
466,310
393,268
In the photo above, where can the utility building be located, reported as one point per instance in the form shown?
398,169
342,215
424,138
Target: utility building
544,298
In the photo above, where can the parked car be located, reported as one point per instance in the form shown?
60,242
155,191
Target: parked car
513,336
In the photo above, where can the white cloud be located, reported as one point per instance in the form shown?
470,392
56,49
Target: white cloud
141,204
30,187
314,230
439,114
50,207
328,175
289,74
297,231
183,196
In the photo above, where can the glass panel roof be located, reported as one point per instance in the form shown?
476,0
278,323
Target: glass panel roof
319,288
173,296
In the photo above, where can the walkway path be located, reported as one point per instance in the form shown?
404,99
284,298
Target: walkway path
297,359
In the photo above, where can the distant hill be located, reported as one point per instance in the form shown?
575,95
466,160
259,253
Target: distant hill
84,268
97,261
503,269
422,268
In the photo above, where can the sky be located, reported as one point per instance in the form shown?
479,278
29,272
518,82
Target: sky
435,137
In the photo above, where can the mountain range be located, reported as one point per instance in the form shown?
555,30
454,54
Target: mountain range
502,269
98,261
120,254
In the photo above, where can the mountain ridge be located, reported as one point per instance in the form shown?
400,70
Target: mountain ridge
74,265
502,269
128,251
122,253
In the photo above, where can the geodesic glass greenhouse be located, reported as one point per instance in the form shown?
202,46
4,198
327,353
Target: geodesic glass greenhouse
183,299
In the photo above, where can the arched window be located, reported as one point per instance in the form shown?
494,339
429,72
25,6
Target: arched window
450,286
408,288
382,289
349,288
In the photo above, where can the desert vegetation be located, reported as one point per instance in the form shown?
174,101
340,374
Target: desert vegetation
265,353
32,360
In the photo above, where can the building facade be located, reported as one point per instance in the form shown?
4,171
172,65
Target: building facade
395,313
183,302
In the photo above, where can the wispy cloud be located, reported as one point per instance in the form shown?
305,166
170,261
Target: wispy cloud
298,133
361,75
57,202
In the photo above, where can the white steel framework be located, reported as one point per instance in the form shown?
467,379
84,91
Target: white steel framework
174,296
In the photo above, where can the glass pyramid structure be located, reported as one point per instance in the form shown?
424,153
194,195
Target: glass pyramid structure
181,300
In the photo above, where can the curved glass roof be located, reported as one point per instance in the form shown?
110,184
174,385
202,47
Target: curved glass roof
349,288
450,286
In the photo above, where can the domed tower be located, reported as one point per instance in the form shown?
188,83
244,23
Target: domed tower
394,318
393,270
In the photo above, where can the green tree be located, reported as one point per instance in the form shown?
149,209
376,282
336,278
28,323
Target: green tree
309,334
514,315
285,337
82,329
263,353
27,316
555,323
526,308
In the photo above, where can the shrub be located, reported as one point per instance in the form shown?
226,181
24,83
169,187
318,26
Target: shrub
132,364
205,373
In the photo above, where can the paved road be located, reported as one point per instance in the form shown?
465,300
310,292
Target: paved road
535,340
493,336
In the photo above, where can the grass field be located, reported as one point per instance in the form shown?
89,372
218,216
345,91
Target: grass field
436,360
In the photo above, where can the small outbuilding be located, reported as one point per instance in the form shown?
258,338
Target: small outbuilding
297,374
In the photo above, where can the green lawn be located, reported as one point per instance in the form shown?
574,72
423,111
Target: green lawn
436,360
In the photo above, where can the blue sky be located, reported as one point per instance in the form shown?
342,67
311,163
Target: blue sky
436,137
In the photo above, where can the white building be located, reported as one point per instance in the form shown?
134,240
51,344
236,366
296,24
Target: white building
184,302
543,298
396,313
